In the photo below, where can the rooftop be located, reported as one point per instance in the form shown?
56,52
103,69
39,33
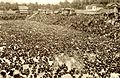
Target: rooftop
23,7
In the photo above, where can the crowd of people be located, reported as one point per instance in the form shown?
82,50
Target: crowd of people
28,49
27,52
103,34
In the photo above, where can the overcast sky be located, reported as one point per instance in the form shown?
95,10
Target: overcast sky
33,1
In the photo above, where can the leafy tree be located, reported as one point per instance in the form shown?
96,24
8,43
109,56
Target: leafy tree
2,5
14,6
7,6
36,6
31,6
65,4
76,4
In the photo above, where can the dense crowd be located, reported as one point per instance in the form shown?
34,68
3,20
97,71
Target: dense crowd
25,66
28,48
28,52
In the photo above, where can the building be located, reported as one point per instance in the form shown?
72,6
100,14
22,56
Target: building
23,9
2,10
10,11
94,7
68,11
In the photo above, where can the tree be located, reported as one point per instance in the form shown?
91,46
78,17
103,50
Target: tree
7,6
65,4
36,6
76,4
14,6
31,6
2,5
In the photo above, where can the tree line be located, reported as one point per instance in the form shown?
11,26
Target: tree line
77,4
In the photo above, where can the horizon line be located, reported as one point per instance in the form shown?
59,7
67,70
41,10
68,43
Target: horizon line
39,2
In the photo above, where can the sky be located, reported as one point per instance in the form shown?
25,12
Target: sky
33,1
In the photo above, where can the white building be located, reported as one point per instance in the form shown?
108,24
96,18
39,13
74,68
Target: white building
94,7
23,9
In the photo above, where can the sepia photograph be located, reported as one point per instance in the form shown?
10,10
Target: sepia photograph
59,38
